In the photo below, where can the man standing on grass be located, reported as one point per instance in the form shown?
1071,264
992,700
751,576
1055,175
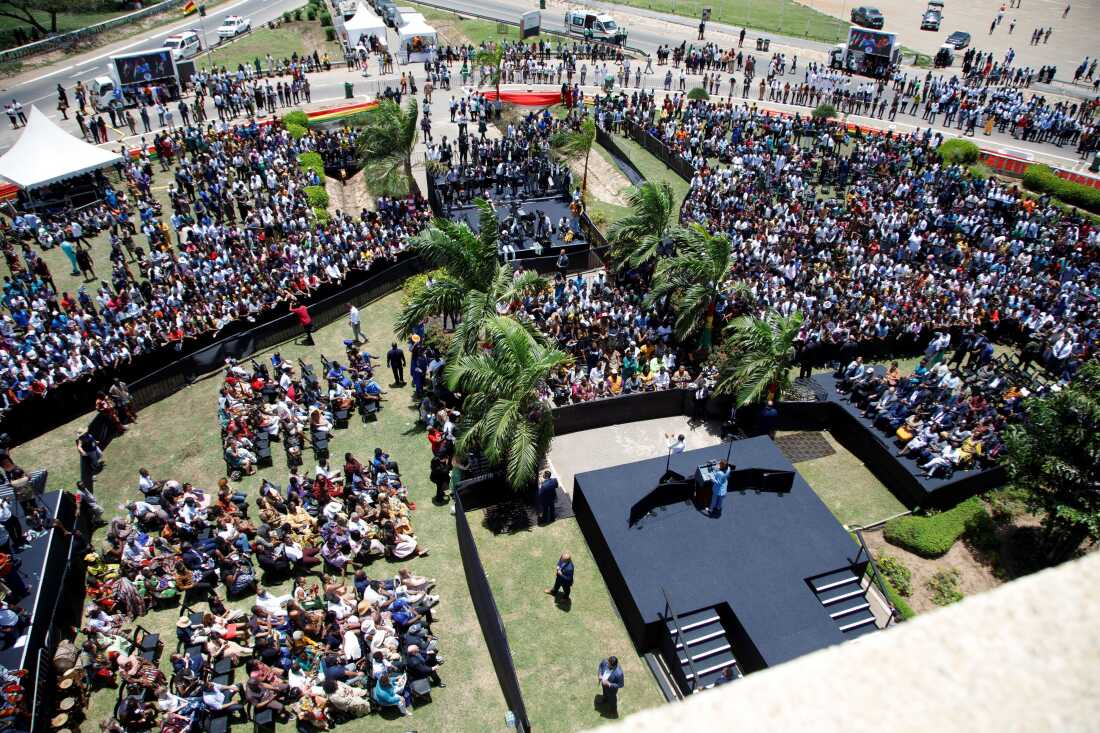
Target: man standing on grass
610,675
563,577
395,360
547,498
353,320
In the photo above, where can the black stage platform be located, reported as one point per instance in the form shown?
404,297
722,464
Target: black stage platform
525,245
878,450
754,564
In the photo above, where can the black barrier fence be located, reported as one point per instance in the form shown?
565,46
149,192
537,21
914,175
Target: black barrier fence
488,616
658,149
165,371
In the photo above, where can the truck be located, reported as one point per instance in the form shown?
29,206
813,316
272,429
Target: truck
595,26
868,53
135,78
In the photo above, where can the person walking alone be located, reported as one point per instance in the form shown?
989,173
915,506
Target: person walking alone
547,498
304,321
610,676
395,360
355,323
563,577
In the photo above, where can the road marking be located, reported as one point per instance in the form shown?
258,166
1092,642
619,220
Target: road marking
82,72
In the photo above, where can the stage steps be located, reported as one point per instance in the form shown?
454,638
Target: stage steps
705,643
842,595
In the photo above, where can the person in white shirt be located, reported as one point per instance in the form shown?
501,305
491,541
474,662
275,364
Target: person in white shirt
353,320
675,444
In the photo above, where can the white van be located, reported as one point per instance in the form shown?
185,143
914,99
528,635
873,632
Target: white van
594,26
184,45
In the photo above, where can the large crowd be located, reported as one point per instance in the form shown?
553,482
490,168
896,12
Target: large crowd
239,239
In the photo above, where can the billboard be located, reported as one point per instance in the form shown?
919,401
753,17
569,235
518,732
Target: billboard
144,67
872,43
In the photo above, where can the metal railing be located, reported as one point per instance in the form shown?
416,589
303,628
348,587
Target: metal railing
681,639
876,577
64,39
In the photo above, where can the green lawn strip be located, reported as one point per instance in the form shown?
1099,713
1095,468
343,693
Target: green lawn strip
848,488
933,535
65,21
652,169
301,37
556,649
777,16
179,438
455,28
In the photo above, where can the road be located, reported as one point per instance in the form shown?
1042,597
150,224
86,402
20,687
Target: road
41,88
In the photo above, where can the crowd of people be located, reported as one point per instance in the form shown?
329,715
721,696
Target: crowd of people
240,239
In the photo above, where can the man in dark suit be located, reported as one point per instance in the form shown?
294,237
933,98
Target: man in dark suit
395,360
419,669
610,675
563,578
547,498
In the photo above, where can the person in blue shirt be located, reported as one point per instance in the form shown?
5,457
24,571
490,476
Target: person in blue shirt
610,676
563,578
718,491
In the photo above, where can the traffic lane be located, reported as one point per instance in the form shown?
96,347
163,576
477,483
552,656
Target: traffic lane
44,87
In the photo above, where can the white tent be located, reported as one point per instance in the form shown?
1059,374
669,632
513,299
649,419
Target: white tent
415,37
364,24
45,153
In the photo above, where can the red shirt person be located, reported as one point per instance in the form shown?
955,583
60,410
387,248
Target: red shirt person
304,321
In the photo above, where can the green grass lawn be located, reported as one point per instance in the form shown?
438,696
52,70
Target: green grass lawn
848,488
65,21
653,169
556,647
778,16
301,37
455,28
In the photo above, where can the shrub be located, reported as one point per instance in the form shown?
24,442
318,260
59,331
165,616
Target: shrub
933,535
698,93
326,20
1005,504
287,16
413,285
1043,179
317,197
297,117
296,131
330,34
981,171
981,533
899,576
322,215
959,151
313,162
903,608
945,587
824,111
297,14
311,14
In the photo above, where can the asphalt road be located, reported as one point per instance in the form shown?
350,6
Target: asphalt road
41,88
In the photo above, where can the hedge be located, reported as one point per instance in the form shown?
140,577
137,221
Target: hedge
933,535
297,117
317,197
322,214
296,131
958,151
824,111
1043,179
904,609
698,93
312,162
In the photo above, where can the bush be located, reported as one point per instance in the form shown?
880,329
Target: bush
312,162
330,34
1005,504
317,197
981,171
903,608
297,117
413,285
297,14
933,535
945,587
824,111
323,217
981,533
958,151
1043,179
311,14
287,16
326,20
899,576
698,93
296,131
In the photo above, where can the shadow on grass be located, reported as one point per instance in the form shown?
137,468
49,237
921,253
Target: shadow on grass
508,517
605,709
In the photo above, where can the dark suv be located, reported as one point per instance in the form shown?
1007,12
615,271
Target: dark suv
867,17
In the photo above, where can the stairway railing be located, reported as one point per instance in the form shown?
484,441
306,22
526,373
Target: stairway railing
876,576
669,613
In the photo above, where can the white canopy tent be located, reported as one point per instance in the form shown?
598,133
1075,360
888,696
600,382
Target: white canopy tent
415,38
364,24
45,154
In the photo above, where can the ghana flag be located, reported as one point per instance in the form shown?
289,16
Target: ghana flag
189,7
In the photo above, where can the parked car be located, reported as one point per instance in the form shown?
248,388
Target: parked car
932,17
184,45
959,39
868,17
233,25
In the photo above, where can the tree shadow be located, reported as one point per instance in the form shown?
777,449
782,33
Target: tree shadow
508,517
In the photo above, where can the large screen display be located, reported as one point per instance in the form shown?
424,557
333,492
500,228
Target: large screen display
874,43
144,68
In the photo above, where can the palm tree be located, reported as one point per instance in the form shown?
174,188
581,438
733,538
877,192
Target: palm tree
577,143
473,287
636,238
386,147
756,358
494,59
693,280
502,413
